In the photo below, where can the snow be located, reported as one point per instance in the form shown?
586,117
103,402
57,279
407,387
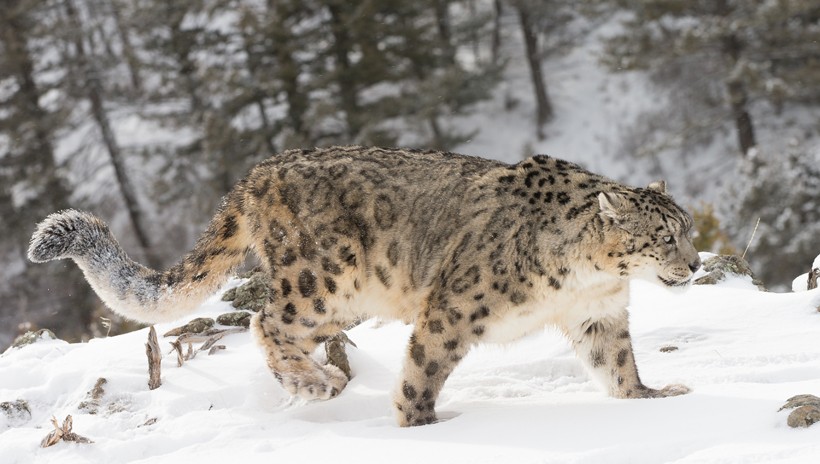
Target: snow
742,351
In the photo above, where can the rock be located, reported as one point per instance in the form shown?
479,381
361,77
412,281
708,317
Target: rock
253,295
801,400
711,278
229,294
17,412
719,267
804,416
235,319
806,410
33,337
668,349
198,325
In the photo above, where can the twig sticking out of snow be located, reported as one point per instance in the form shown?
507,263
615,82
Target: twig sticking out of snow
63,433
209,337
177,347
813,275
215,348
336,355
154,360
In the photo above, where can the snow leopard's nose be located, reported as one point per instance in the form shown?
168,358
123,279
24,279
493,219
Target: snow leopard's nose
694,265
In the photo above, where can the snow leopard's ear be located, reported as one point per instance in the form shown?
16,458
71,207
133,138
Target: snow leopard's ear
658,186
612,206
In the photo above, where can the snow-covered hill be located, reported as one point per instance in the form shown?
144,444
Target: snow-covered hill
742,351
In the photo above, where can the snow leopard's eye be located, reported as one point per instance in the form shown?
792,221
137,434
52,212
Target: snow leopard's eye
668,239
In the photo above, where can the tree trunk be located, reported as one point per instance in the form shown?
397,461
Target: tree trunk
438,134
344,75
288,69
181,46
93,89
542,101
442,12
732,47
127,48
743,120
496,43
267,130
738,98
259,97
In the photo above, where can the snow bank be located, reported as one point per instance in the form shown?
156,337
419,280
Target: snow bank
742,351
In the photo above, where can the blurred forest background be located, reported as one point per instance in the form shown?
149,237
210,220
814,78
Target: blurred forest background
147,111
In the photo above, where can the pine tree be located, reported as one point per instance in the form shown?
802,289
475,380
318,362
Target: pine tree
31,182
787,238
739,52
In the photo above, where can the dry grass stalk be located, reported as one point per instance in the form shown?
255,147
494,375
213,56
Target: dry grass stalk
754,231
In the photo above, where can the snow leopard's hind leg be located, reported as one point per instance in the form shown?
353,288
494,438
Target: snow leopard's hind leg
289,332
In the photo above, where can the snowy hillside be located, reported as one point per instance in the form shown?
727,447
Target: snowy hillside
742,351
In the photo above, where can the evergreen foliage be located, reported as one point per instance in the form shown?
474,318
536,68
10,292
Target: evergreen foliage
722,57
219,85
148,111
782,191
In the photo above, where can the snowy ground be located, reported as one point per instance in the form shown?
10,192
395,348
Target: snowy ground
742,351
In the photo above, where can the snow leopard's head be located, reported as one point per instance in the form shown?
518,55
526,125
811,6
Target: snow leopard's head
654,235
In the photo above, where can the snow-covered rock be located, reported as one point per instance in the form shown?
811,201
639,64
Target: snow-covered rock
800,283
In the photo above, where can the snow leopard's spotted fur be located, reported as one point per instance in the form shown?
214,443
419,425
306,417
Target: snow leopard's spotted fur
469,250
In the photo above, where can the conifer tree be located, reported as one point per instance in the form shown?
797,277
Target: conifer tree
31,183
786,240
741,52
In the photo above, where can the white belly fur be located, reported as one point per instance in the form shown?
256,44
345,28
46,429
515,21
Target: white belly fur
579,300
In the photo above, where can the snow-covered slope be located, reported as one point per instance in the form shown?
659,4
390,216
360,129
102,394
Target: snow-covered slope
742,351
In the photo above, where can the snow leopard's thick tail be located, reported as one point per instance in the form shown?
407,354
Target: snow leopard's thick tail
131,289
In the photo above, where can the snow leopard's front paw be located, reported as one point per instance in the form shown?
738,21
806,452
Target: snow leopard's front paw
324,383
413,407
674,389
410,416
669,390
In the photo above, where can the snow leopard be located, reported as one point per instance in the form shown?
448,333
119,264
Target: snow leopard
468,250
